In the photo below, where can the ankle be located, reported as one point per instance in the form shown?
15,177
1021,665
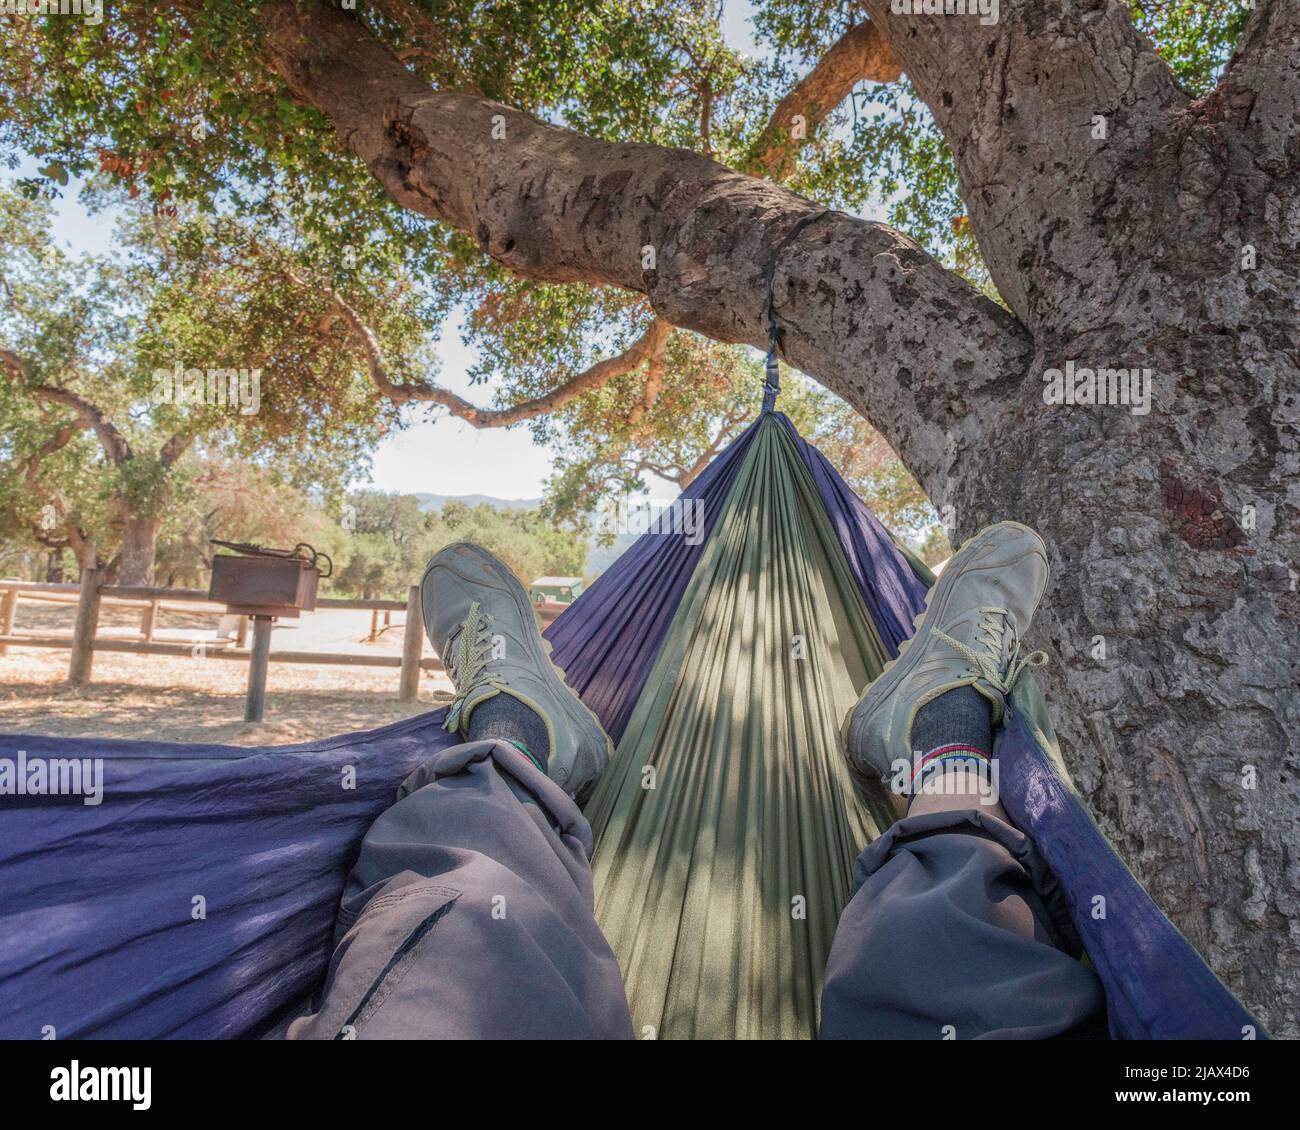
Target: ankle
959,787
505,718
958,717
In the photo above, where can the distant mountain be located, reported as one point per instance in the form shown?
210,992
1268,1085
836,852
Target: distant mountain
598,559
438,501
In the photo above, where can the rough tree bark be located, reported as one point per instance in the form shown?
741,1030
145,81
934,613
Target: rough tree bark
1174,535
133,563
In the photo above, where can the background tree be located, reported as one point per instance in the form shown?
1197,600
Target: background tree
388,538
66,374
388,543
97,448
235,500
527,541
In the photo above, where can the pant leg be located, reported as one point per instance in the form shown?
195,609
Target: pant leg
956,929
468,914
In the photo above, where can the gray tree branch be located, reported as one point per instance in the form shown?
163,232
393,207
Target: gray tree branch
860,54
861,307
649,346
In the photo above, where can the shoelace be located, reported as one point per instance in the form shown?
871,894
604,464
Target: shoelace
467,662
987,663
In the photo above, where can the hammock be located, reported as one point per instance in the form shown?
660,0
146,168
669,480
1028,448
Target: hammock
740,857
198,899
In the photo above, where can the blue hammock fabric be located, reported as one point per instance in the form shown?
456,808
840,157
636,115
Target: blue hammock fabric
98,934
1157,986
99,931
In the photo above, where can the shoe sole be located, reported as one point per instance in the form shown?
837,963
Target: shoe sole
912,649
540,649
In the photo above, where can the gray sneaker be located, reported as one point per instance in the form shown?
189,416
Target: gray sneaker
968,635
479,620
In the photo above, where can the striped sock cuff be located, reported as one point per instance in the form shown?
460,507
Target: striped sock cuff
952,752
526,752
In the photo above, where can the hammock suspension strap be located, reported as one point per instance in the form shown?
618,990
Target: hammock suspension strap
772,382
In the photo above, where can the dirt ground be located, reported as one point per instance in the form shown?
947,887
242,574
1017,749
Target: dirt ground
197,699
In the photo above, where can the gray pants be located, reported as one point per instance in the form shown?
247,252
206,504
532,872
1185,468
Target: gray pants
469,915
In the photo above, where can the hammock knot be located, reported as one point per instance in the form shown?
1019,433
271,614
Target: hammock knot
772,375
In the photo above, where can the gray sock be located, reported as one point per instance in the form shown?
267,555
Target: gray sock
507,719
957,718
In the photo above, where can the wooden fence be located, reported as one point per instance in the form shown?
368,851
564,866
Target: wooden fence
85,640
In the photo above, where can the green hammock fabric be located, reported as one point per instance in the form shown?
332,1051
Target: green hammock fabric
720,887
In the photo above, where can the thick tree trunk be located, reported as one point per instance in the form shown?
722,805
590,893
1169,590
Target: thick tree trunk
1173,613
1170,244
1173,619
135,559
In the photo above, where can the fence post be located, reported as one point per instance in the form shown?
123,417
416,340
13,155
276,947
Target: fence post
241,632
255,699
85,630
374,624
8,606
412,647
147,618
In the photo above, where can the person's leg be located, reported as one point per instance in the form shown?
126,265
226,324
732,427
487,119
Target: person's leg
953,933
469,914
469,911
954,929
